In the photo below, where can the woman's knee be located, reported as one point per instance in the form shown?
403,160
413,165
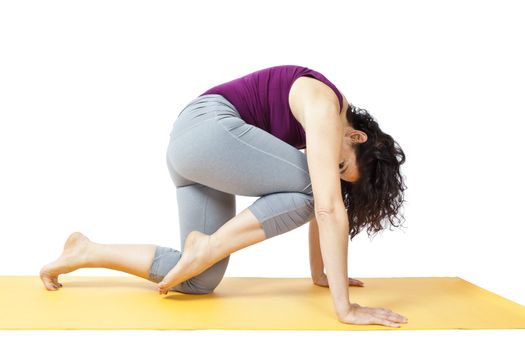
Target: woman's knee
204,283
164,260
283,211
187,287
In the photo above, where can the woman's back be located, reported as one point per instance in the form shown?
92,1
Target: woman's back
261,98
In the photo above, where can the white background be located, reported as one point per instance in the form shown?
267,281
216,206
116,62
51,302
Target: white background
89,92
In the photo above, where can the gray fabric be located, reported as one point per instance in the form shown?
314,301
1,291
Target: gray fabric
214,155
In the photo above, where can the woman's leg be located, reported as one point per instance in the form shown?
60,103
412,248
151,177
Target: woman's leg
137,259
202,209
79,252
223,154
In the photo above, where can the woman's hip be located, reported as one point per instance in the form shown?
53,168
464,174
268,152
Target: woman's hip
201,109
228,154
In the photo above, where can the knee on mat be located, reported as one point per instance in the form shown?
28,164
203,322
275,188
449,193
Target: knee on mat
186,287
191,288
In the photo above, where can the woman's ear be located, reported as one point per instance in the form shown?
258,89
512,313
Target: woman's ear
358,136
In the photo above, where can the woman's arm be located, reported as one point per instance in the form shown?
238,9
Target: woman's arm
324,137
319,277
333,239
316,259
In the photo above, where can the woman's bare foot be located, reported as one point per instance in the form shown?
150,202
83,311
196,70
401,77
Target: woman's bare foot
196,257
73,257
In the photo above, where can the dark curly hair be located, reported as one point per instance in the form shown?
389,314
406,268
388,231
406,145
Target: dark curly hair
378,194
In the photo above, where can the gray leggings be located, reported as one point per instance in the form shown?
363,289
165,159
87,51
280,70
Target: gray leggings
213,155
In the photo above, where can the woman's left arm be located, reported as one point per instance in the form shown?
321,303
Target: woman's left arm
316,260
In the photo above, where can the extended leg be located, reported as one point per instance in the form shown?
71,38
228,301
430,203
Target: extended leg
80,252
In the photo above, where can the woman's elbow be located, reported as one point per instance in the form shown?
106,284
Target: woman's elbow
329,209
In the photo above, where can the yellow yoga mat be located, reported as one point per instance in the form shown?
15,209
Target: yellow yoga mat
128,302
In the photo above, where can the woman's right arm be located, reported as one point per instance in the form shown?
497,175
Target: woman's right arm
324,136
333,240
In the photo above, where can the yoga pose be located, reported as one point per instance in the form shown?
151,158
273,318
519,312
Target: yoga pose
244,137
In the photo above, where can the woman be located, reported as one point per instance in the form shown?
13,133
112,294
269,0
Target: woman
244,137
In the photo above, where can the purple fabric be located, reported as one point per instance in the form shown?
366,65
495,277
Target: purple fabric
261,98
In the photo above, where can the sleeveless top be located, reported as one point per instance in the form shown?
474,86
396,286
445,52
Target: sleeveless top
261,98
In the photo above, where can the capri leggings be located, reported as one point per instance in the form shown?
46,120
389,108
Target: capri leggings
213,155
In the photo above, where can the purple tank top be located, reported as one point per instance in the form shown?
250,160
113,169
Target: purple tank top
261,98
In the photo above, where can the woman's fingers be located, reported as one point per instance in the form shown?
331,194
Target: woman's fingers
390,315
386,322
354,282
386,315
371,315
385,319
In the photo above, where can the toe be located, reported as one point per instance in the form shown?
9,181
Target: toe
47,280
56,283
49,284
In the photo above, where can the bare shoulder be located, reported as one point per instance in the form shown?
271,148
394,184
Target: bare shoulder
306,92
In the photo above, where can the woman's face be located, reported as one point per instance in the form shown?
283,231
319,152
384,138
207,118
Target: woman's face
348,164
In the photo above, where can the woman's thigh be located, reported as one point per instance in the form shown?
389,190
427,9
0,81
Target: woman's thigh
226,153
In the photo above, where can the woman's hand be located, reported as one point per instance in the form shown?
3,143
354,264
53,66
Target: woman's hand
322,281
372,315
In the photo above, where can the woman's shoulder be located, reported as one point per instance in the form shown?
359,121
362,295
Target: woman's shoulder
307,93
